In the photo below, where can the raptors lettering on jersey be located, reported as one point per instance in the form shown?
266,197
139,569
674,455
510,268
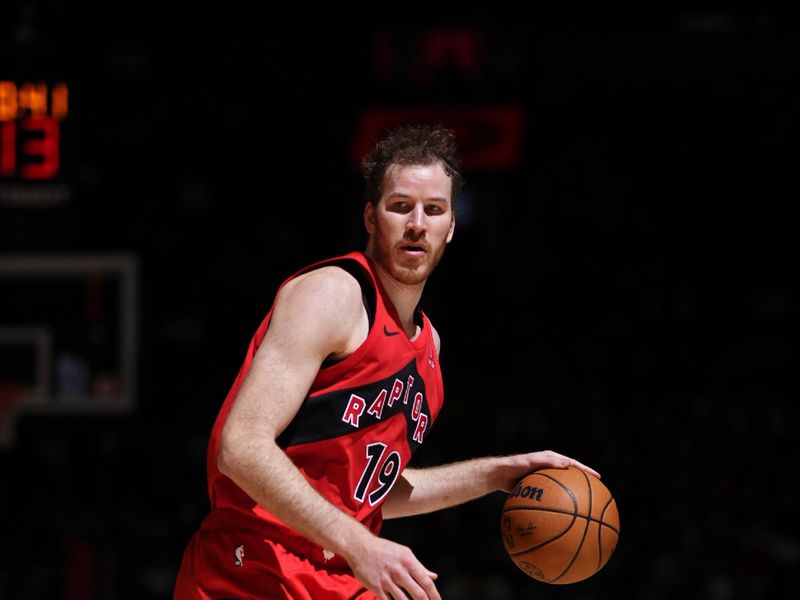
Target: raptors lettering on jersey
356,405
337,413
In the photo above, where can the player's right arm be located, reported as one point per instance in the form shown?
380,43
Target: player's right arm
316,316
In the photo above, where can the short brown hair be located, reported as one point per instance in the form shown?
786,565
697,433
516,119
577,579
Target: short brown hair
412,145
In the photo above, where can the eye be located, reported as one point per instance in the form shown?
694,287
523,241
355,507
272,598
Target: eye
399,206
434,209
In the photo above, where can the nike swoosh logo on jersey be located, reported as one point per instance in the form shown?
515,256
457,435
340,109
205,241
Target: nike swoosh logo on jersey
387,332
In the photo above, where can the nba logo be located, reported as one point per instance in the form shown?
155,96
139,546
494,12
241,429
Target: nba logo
239,556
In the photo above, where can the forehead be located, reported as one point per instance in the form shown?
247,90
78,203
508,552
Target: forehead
427,181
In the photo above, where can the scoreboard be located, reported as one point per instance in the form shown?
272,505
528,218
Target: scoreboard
30,129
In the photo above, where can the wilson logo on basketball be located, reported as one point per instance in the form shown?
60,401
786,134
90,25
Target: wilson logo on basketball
534,493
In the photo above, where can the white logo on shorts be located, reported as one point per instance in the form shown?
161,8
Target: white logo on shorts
239,554
327,554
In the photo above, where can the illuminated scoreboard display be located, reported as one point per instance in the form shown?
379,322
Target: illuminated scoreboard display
30,129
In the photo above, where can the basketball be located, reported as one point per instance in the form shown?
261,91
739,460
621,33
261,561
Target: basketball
560,525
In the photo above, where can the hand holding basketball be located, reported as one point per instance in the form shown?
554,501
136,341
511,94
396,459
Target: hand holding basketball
518,465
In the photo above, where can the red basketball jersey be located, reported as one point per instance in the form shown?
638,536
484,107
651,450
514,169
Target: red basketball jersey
359,425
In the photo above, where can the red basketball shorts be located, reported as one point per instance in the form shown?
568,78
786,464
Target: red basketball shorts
222,564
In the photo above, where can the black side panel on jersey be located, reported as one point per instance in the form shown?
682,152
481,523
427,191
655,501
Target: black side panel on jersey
332,415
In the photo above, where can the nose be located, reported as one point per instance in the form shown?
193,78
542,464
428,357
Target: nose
416,219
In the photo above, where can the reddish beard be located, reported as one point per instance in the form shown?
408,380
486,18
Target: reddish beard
402,269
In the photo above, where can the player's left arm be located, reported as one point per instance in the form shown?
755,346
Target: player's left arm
419,491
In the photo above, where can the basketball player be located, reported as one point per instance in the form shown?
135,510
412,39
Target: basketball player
340,385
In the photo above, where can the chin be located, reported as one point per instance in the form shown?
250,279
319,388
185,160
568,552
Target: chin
411,276
417,273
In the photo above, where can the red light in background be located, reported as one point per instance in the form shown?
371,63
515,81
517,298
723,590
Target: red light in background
489,137
32,97
44,147
8,148
8,101
458,50
30,131
38,152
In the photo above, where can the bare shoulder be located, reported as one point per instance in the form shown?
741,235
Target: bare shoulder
326,283
325,303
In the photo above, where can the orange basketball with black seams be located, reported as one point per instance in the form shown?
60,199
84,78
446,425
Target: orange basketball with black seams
560,525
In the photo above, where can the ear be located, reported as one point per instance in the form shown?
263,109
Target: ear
369,218
452,229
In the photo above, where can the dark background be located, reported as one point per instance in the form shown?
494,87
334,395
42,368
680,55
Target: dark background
620,292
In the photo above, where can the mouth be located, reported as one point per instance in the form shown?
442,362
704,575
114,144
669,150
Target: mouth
415,250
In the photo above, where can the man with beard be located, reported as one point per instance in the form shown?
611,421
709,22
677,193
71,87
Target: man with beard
340,385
